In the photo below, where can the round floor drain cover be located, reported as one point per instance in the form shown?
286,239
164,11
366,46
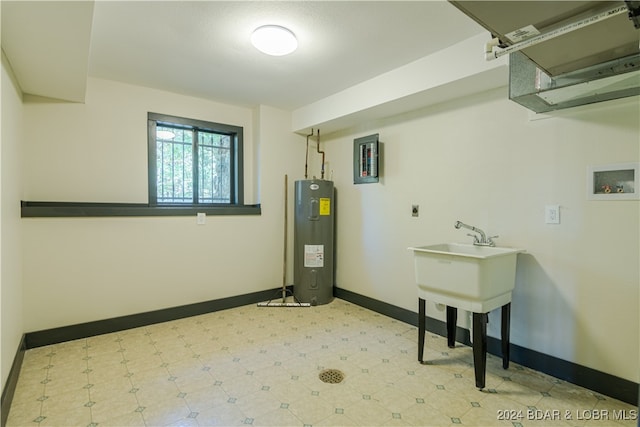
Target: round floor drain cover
331,376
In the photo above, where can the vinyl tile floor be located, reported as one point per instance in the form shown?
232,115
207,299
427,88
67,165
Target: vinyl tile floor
261,366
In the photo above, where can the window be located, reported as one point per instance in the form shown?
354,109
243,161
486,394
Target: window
194,167
194,163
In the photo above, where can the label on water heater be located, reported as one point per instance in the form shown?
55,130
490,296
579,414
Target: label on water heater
325,206
314,255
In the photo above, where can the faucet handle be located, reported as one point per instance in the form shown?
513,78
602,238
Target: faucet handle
475,238
490,240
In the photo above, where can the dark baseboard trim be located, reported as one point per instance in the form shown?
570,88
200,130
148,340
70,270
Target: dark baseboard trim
99,327
73,209
592,379
12,380
600,382
435,326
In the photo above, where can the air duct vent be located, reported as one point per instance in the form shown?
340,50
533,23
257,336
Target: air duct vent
534,89
565,53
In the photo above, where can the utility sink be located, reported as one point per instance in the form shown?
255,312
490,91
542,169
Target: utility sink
465,271
476,278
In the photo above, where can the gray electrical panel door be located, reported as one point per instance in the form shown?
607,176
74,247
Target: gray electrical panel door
314,241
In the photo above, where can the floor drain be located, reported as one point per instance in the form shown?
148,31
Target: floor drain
331,376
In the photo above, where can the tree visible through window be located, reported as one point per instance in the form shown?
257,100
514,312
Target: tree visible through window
193,162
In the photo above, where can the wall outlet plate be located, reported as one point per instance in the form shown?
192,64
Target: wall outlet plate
552,214
201,218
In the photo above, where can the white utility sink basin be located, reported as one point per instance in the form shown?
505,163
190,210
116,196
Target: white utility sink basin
465,271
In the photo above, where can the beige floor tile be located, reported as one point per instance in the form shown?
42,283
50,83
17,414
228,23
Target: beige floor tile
153,393
133,419
24,412
338,420
290,391
312,409
29,389
261,402
101,374
114,406
67,402
165,413
227,414
478,416
241,386
189,421
116,386
109,359
394,399
279,417
78,417
421,414
206,399
368,412
256,366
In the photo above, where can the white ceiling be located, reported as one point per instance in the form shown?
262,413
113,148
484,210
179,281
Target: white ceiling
202,48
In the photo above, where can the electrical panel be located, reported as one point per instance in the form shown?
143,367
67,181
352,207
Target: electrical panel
366,159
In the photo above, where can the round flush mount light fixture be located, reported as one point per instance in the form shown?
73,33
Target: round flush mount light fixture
274,40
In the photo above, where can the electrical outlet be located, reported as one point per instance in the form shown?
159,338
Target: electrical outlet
552,214
201,218
415,210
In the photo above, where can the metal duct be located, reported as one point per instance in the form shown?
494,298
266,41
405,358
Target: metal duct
589,63
532,88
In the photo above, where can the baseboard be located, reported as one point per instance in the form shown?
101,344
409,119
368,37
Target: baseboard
12,380
600,382
99,327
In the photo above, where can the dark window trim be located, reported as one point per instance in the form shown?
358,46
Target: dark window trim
237,169
72,209
36,209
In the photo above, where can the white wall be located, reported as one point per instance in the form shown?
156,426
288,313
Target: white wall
93,152
479,159
283,152
10,227
82,269
482,160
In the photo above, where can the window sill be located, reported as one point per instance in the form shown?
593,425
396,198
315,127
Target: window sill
71,209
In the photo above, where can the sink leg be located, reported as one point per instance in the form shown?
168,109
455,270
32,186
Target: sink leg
452,320
480,347
506,326
421,327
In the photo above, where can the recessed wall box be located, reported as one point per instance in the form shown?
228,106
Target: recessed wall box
366,159
614,182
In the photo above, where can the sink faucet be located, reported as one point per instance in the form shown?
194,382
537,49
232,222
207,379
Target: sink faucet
483,240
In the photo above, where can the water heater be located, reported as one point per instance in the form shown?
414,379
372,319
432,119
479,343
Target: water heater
313,275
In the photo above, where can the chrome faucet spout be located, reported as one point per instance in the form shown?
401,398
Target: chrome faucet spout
482,241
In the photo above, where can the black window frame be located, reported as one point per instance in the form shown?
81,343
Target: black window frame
236,133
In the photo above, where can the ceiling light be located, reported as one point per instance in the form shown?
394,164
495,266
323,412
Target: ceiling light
274,40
